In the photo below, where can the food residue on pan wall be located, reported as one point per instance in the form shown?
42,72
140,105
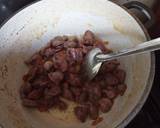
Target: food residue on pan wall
119,28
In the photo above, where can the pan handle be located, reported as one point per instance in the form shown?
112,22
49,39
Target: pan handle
141,11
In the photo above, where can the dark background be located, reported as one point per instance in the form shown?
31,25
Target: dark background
149,116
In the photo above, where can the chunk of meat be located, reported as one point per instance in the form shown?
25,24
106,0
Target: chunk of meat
56,77
29,103
55,43
74,80
97,121
60,62
45,104
70,44
53,91
109,66
92,97
42,50
76,91
62,65
35,94
65,38
49,52
26,88
48,65
97,91
31,74
102,84
82,98
41,81
120,74
93,112
89,38
111,94
58,41
67,93
36,59
110,79
121,89
74,55
62,105
105,104
81,112
86,49
74,69
110,87
65,85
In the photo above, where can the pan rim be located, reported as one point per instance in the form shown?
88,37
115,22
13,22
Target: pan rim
149,84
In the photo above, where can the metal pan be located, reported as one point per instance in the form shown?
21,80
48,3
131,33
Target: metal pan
31,28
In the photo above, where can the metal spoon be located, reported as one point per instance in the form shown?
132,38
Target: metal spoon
95,57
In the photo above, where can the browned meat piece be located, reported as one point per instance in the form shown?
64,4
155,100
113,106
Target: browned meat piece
97,121
120,74
56,77
74,80
70,44
59,41
88,38
25,89
102,84
45,104
68,94
110,79
92,97
36,59
93,111
65,85
105,104
29,103
53,91
65,38
86,49
61,65
76,91
82,98
49,52
121,89
81,112
48,65
62,105
109,66
74,69
74,55
110,87
31,74
96,90
35,94
46,95
60,62
111,94
41,81
56,43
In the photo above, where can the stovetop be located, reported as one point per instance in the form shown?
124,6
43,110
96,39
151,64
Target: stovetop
149,116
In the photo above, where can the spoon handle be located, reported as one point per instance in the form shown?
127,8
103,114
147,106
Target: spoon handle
148,46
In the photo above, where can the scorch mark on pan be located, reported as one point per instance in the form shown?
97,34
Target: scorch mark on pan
3,71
